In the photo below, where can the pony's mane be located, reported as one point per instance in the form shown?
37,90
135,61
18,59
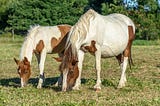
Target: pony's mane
31,30
79,31
28,41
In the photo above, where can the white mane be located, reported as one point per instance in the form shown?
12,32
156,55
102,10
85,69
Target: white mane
27,42
79,31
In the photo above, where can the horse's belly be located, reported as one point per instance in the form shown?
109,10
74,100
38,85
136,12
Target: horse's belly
110,51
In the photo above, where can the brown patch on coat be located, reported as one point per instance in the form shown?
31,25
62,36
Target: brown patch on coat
92,48
127,51
59,44
64,29
39,47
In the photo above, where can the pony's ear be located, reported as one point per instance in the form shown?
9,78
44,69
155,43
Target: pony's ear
58,59
17,61
26,61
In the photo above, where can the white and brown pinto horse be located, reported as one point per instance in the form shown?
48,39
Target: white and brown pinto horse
102,36
41,40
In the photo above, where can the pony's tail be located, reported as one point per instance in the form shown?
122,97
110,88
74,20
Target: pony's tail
130,60
131,38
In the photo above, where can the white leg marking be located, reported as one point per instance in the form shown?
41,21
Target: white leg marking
41,68
22,83
98,69
80,63
59,82
64,83
123,74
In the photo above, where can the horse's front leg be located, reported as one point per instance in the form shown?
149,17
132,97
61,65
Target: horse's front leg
59,81
98,69
42,58
80,63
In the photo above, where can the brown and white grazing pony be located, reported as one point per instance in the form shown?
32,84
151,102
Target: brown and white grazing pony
41,40
102,36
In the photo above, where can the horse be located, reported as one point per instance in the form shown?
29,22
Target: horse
102,36
40,40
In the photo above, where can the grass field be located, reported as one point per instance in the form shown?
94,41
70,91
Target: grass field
142,89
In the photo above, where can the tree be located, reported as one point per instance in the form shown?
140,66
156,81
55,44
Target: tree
43,12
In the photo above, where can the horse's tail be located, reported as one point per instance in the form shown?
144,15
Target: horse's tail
130,60
131,31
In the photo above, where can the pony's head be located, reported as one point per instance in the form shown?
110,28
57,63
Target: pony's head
24,70
69,69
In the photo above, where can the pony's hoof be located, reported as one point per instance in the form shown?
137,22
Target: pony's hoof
76,88
121,86
97,89
56,84
39,87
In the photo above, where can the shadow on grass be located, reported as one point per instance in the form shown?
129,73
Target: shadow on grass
50,82
15,82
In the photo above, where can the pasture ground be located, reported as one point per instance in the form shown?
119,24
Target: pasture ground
142,89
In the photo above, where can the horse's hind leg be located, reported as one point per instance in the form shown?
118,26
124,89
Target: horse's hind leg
123,67
126,56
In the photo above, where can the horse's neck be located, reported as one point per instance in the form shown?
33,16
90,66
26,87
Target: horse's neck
27,49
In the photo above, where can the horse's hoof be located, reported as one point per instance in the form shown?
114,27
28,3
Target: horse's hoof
97,89
121,86
39,87
76,88
56,84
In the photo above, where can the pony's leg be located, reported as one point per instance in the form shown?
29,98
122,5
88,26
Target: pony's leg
80,63
59,82
98,69
41,68
123,74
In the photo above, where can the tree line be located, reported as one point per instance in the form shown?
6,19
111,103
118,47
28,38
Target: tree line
18,15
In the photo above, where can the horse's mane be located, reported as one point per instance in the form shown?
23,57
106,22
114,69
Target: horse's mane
79,31
28,40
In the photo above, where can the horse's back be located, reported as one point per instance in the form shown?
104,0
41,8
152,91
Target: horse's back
123,18
51,36
116,35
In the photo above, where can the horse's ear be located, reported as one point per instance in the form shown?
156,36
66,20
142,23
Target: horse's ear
58,59
17,61
26,61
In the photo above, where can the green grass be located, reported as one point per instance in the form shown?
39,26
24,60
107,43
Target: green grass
146,43
142,89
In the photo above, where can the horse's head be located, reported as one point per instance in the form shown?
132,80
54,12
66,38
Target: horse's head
68,69
23,70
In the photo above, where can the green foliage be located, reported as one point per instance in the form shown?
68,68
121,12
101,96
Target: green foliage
19,15
43,12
